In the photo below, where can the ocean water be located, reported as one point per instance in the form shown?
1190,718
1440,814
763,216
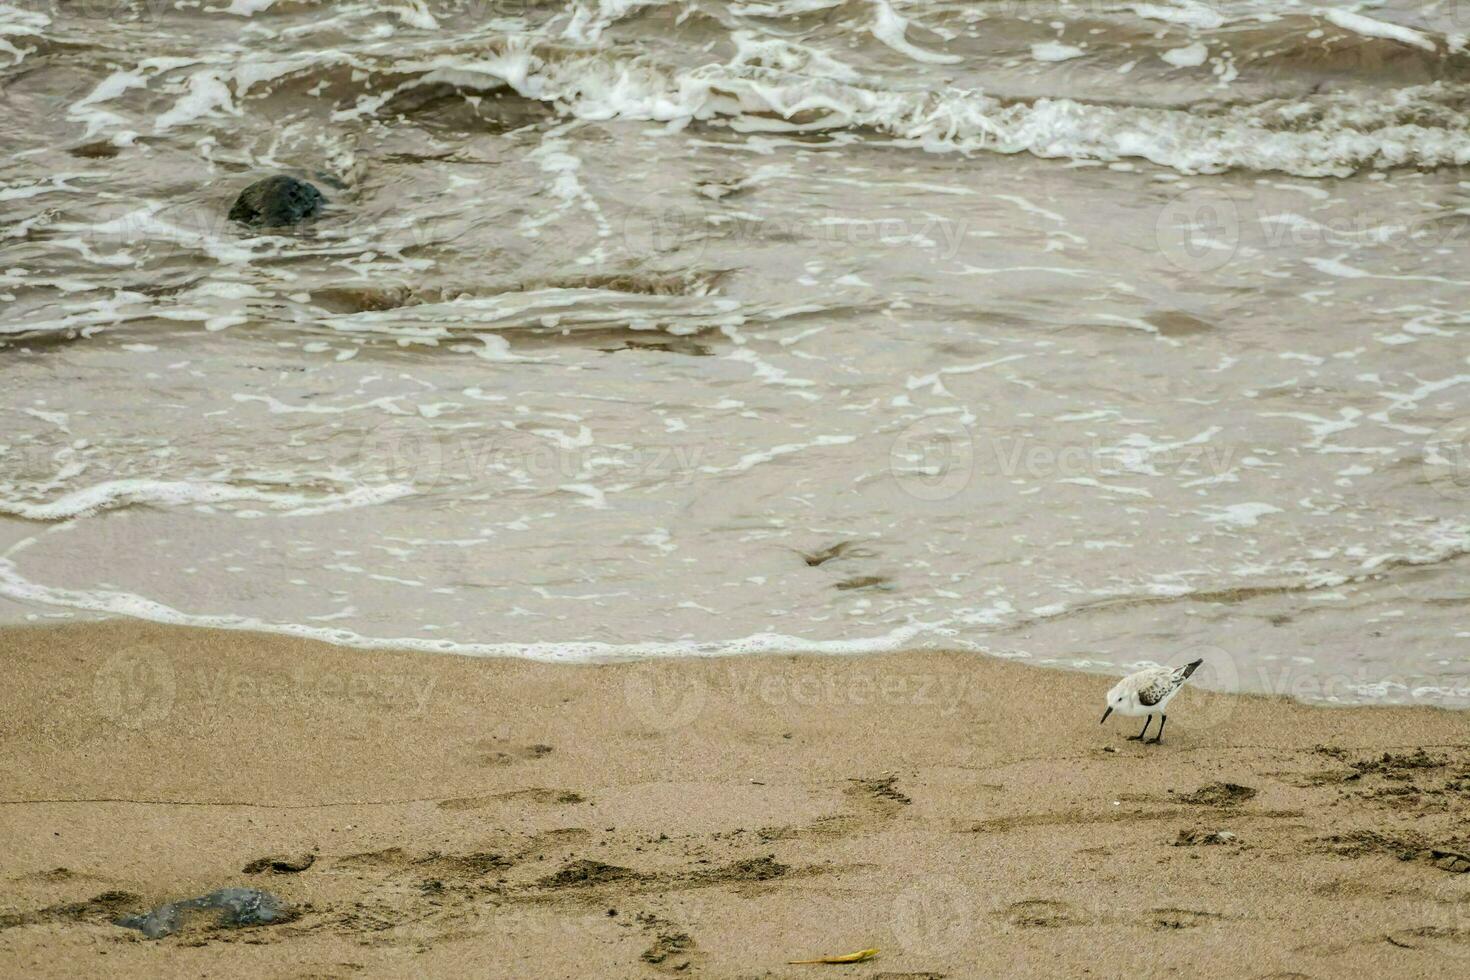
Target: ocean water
1096,334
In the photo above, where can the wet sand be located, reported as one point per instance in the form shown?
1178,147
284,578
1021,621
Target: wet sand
496,818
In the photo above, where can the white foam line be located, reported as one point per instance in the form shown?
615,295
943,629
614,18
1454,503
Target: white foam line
976,270
752,460
123,493
1052,51
1350,133
594,497
54,184
1368,27
562,167
388,403
18,23
1246,514
892,30
1341,270
130,605
1031,207
15,586
934,380
248,8
1087,481
1187,12
549,309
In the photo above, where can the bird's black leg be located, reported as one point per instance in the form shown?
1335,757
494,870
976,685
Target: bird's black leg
1139,737
1159,737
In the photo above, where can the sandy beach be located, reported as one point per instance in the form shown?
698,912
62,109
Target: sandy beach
966,816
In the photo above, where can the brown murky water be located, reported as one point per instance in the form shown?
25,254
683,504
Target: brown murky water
1097,334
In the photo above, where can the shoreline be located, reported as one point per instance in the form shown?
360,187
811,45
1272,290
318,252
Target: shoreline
965,814
1222,672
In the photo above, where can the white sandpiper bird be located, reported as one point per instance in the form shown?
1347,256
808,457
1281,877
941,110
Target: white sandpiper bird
1148,692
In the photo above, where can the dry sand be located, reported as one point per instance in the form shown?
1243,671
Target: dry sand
490,818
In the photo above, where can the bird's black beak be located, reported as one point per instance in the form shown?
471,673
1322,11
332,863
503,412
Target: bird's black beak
1106,713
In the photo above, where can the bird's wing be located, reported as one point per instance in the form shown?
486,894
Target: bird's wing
1155,685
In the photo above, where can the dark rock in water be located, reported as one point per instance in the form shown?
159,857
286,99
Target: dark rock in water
233,907
99,150
277,201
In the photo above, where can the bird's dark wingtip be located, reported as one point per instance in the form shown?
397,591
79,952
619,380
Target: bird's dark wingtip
1190,668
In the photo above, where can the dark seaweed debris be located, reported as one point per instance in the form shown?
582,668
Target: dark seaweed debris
1219,794
280,865
583,872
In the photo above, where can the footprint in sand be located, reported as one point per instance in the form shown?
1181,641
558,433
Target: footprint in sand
547,797
1042,913
494,752
101,909
1219,794
935,915
392,860
883,789
1179,918
673,949
280,864
583,873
